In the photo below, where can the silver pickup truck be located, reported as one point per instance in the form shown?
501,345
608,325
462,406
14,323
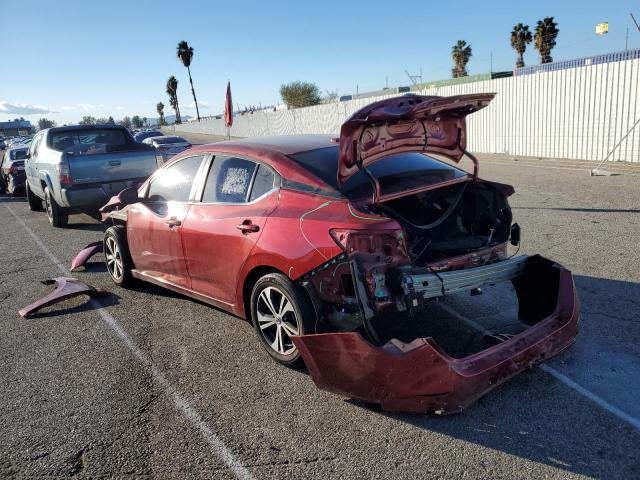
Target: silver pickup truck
77,169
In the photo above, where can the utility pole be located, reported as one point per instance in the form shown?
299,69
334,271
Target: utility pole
491,62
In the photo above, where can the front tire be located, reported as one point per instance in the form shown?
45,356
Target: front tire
35,204
279,310
55,213
117,256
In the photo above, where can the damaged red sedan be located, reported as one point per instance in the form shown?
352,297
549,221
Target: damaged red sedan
328,246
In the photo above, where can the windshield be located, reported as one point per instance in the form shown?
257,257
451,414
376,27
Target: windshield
395,173
142,135
90,141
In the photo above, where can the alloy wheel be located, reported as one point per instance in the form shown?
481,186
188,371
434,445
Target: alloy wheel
114,259
277,320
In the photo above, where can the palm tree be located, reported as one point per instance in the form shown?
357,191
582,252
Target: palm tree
520,36
185,54
461,53
160,110
172,91
545,38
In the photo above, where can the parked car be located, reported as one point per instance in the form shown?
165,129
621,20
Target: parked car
168,146
12,176
334,251
140,136
76,169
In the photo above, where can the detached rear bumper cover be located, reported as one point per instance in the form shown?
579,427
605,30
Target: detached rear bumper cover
420,377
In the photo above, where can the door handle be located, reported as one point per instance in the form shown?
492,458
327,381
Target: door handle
173,222
248,227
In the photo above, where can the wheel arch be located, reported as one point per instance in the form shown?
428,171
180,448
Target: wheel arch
247,286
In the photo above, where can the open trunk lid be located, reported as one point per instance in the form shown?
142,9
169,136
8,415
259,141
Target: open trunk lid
419,123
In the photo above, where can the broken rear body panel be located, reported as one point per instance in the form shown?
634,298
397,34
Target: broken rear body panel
419,376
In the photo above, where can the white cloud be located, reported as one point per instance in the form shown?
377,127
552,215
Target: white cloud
22,108
119,107
201,105
67,107
89,106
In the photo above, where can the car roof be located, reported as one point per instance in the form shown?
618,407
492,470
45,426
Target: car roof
284,144
85,127
18,147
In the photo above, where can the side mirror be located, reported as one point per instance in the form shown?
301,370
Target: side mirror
27,156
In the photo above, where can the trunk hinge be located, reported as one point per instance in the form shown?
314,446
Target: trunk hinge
468,154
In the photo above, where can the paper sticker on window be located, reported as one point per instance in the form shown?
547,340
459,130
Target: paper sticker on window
236,181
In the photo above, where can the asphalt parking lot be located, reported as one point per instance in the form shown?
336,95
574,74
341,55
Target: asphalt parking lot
146,383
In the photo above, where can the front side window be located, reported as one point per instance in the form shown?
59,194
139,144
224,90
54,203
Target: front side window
229,180
174,182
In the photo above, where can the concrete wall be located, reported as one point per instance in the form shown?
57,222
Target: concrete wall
587,113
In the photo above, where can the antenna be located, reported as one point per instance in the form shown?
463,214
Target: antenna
414,78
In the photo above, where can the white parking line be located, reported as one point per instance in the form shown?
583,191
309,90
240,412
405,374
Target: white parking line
181,403
634,422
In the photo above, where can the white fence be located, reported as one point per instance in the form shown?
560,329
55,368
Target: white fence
588,112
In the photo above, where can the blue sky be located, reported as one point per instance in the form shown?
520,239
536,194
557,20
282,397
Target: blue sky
73,58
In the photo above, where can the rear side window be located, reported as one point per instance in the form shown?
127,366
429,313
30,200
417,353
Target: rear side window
263,182
90,141
18,154
229,180
174,182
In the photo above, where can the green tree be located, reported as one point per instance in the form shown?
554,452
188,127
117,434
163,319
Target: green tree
136,121
185,54
102,121
461,53
125,122
172,91
300,94
520,37
45,123
87,120
111,121
545,38
160,110
144,122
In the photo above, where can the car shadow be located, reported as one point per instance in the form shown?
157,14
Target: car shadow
105,299
584,210
9,199
92,227
95,267
534,416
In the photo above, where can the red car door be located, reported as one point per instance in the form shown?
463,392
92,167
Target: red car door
220,231
154,226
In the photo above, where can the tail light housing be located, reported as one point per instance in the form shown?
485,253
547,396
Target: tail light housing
385,242
64,174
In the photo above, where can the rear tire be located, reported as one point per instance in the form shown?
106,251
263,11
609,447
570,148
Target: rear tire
280,309
35,204
55,213
3,187
117,256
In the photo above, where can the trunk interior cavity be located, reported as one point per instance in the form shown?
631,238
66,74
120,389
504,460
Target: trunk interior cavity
451,221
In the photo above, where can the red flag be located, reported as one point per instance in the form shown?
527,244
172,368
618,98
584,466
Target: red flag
228,107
